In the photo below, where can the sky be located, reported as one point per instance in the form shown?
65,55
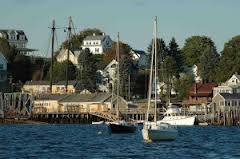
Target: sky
181,19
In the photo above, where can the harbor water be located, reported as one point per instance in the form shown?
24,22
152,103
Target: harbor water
95,141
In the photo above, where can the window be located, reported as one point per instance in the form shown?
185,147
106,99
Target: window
97,50
1,66
228,103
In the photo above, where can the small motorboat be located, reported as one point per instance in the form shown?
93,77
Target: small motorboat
97,122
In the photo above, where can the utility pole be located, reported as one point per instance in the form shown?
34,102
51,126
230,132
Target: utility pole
69,37
51,72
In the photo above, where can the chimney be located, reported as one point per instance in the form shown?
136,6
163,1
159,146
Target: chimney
195,90
236,73
103,34
94,34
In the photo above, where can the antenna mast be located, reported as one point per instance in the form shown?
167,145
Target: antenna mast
69,37
51,72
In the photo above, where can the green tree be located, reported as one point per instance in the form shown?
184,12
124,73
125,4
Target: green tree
194,47
88,68
59,71
21,68
229,60
127,68
7,50
182,85
208,64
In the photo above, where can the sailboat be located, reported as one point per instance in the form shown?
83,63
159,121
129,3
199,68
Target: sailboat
120,126
154,131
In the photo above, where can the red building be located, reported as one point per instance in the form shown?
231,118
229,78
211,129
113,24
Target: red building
199,94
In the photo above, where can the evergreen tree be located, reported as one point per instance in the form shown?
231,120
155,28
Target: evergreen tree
174,52
161,51
88,68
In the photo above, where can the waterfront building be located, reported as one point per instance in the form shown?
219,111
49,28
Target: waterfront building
97,44
77,103
224,101
43,87
232,85
199,96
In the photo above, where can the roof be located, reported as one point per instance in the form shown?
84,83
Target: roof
18,32
71,82
51,96
113,62
3,57
26,49
96,97
202,89
96,37
140,52
230,96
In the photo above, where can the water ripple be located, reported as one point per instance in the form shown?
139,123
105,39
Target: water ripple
95,141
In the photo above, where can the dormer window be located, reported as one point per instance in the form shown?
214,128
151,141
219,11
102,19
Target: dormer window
12,36
22,37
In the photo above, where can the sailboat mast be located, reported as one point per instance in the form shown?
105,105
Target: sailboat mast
69,36
118,77
129,87
155,69
51,72
169,90
150,82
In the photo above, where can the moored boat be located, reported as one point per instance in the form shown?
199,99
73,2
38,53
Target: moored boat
153,131
173,116
97,122
120,126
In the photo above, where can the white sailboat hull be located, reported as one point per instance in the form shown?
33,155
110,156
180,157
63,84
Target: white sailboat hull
161,132
178,120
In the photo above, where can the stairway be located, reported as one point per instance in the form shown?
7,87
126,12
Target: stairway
105,115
